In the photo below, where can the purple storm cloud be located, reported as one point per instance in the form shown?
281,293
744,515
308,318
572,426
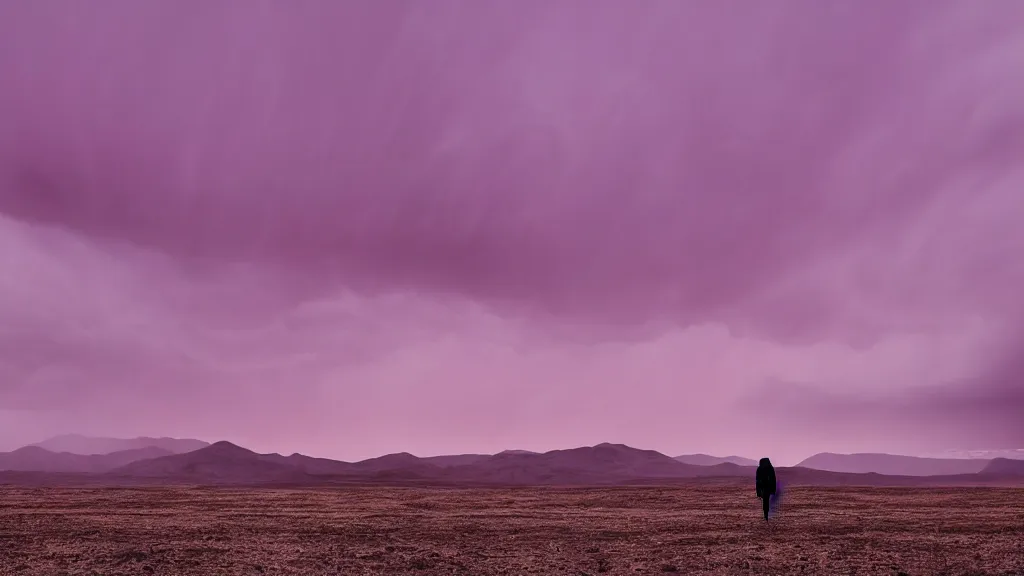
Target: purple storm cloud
349,228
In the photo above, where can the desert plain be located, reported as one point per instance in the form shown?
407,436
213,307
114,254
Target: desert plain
703,528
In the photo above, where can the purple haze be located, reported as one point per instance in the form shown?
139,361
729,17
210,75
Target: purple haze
351,228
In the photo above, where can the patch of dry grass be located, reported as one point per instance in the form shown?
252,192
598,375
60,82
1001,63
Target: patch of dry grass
354,531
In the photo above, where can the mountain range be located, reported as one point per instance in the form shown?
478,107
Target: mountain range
601,464
166,460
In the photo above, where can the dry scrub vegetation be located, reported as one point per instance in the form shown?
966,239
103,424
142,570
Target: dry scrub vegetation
353,531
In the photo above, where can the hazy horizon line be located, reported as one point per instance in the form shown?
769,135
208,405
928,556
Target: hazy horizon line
955,454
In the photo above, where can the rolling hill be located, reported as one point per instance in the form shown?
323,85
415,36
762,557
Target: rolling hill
1004,467
309,464
36,459
399,461
706,460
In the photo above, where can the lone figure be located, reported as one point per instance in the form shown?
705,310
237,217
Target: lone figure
765,483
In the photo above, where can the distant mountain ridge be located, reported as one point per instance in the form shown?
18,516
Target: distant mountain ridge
706,460
1010,453
893,465
456,459
36,459
85,445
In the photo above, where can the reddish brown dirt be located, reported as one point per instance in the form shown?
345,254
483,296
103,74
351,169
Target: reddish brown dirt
356,531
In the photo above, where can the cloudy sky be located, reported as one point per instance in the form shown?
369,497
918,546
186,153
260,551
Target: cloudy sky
352,228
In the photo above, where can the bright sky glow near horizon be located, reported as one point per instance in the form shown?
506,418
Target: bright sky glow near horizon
353,228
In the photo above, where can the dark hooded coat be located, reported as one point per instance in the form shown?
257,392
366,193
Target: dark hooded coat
765,478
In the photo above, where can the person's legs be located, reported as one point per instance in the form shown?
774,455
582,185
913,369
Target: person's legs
765,503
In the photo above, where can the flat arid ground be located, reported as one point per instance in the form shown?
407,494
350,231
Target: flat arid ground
703,529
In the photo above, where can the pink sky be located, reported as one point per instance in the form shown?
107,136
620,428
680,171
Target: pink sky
352,228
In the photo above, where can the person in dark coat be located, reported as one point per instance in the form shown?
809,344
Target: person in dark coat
766,484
